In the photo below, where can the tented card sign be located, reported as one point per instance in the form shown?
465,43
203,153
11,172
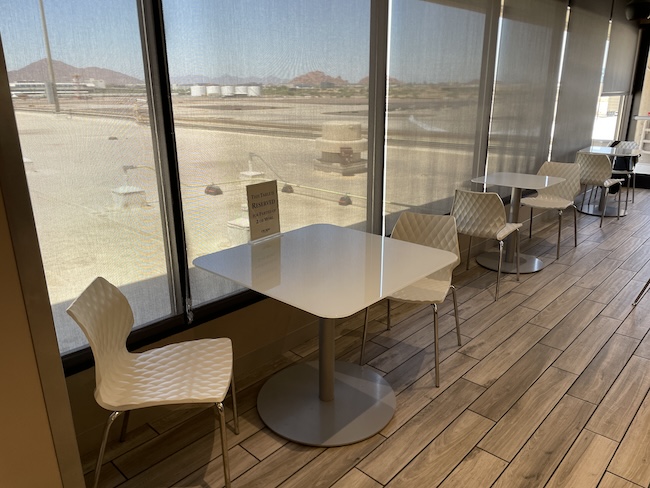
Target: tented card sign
263,210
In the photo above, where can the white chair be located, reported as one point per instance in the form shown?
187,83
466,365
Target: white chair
197,371
596,171
557,197
482,214
437,231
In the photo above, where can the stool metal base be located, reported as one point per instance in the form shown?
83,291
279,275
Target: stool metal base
527,263
290,406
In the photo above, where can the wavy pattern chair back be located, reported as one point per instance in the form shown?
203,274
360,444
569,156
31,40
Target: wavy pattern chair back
566,190
594,168
106,318
479,214
628,145
437,231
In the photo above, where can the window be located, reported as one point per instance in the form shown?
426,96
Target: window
88,154
433,99
267,90
139,165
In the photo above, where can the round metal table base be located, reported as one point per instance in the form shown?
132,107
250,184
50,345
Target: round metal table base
610,210
289,405
527,263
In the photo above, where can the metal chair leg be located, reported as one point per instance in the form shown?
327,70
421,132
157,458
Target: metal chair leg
575,226
496,294
518,236
603,206
224,444
530,227
363,338
453,294
469,252
435,335
618,211
102,447
235,415
559,232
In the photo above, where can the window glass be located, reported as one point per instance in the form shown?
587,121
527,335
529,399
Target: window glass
530,46
607,118
435,66
267,90
87,152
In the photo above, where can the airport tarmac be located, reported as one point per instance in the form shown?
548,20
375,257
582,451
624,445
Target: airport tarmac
77,164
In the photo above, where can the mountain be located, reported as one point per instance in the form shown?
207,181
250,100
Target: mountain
64,73
392,81
317,78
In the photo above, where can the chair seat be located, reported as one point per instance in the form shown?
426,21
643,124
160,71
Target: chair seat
188,372
427,290
547,203
612,181
604,183
506,230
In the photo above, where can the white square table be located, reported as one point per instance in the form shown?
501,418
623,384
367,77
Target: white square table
331,272
610,151
516,181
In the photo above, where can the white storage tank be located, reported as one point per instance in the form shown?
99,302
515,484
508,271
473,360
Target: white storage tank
214,91
227,91
254,91
241,90
198,91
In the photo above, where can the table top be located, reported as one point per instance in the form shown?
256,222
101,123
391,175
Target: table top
518,180
326,270
610,151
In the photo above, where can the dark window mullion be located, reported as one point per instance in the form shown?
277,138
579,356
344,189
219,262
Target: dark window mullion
162,124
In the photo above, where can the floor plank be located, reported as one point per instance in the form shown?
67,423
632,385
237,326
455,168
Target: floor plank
586,462
632,459
539,457
515,428
597,378
617,410
441,456
505,392
404,445
478,469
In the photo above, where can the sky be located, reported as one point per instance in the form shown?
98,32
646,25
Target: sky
261,38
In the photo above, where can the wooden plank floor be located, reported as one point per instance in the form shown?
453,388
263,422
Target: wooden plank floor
550,387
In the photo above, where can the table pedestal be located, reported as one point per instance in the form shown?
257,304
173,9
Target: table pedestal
527,263
290,406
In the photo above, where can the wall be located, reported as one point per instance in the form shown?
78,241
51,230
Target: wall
38,446
27,454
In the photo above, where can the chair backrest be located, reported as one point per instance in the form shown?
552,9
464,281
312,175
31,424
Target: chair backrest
479,214
566,190
106,318
437,231
594,168
628,145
